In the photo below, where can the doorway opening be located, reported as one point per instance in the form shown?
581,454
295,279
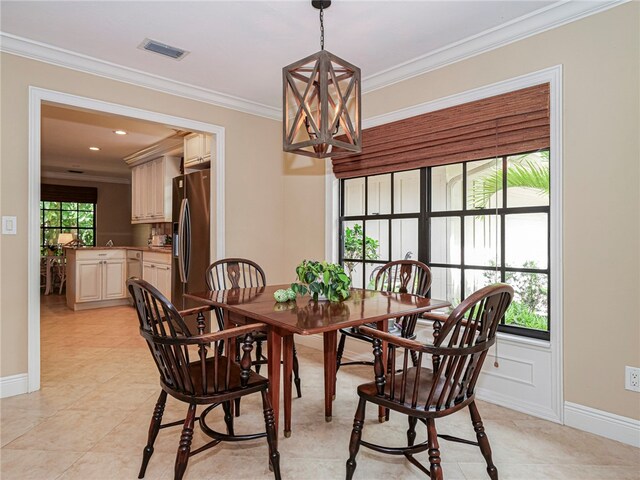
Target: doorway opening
51,103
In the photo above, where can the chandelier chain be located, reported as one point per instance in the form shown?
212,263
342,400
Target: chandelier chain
321,27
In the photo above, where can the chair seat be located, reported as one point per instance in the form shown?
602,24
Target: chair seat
256,382
370,392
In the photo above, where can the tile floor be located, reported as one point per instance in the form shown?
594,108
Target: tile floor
99,386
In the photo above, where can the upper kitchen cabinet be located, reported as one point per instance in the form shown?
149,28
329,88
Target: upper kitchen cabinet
197,150
151,184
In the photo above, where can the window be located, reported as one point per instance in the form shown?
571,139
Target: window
473,223
71,217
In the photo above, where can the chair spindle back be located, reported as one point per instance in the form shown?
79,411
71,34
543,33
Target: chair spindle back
462,347
169,341
234,273
405,276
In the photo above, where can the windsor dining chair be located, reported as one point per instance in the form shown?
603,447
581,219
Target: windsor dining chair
425,394
209,379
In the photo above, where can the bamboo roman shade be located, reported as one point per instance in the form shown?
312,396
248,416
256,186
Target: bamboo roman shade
65,193
513,122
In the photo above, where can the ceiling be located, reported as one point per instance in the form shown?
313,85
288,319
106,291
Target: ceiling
67,134
237,51
238,48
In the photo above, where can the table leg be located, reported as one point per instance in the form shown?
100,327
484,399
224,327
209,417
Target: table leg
329,340
48,275
382,325
274,349
287,360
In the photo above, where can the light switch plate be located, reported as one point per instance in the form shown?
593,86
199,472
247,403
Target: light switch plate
9,225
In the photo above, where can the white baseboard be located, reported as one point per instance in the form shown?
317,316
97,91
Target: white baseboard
14,385
605,424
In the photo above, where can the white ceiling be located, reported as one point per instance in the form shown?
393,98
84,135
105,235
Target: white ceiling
68,133
237,51
238,48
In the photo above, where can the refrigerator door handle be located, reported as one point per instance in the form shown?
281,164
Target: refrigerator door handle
183,254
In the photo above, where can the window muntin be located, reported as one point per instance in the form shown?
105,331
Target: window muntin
473,223
67,217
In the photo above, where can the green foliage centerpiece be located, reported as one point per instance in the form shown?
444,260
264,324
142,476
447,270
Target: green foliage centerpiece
322,278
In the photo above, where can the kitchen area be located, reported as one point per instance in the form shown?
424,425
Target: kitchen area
162,187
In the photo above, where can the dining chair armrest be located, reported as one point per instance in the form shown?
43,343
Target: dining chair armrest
225,334
424,347
392,339
195,310
436,317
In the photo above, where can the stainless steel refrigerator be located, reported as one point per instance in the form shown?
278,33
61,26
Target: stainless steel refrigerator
191,235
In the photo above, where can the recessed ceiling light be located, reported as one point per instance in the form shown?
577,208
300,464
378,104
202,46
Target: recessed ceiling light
95,149
119,132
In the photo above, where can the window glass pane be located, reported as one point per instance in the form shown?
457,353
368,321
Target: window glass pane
371,270
526,240
379,195
445,284
85,219
69,206
354,270
528,180
476,279
354,196
352,248
446,188
51,204
482,240
69,218
406,192
376,242
529,307
405,239
51,236
484,184
445,240
85,206
86,236
51,218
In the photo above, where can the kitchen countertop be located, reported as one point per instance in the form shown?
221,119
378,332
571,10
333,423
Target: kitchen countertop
166,249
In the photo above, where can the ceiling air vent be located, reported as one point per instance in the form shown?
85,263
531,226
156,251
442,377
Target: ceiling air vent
162,49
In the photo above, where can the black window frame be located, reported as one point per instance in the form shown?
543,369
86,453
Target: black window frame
61,229
424,217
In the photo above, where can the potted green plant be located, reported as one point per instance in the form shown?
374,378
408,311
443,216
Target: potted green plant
322,279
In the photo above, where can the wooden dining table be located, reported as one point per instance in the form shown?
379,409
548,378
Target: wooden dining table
303,316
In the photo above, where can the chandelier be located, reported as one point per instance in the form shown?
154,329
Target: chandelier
321,102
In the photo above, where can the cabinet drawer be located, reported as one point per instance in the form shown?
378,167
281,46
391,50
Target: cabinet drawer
157,257
96,254
134,254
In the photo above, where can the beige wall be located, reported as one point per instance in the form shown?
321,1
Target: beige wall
255,182
275,206
113,210
601,183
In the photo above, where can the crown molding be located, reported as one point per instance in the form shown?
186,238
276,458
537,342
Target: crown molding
82,177
555,15
43,52
172,145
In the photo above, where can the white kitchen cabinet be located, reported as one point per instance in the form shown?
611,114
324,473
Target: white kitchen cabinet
197,150
156,269
96,278
151,185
